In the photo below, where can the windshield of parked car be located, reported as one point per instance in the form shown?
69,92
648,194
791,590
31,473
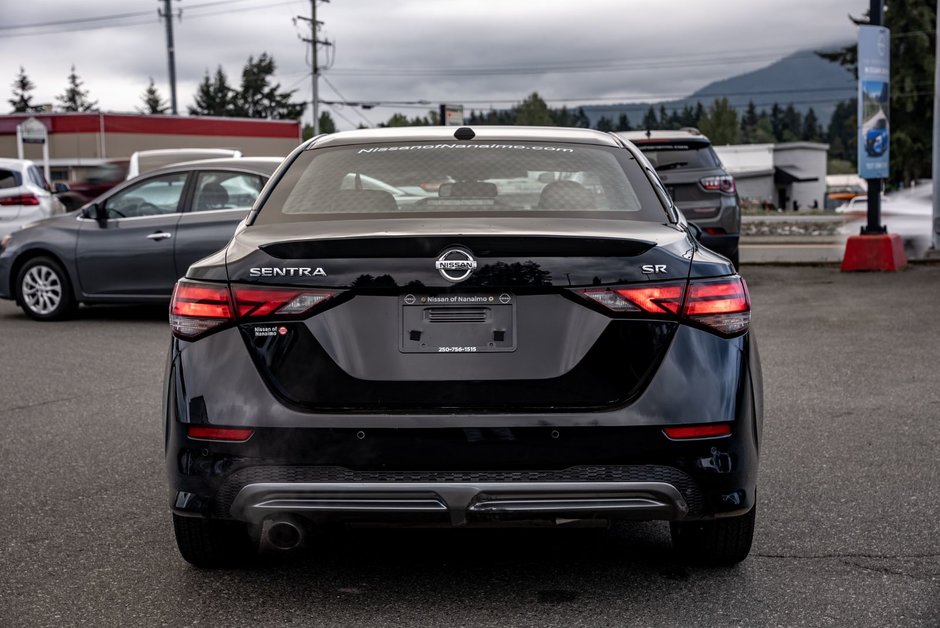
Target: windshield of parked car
469,178
673,156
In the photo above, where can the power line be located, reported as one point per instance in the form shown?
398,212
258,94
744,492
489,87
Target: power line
345,102
142,22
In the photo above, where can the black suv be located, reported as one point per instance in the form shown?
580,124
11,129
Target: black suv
543,339
698,183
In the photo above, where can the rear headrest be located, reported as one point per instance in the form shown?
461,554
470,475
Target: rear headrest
212,196
356,201
476,189
566,195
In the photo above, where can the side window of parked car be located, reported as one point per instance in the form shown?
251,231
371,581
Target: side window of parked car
153,197
9,179
36,178
225,190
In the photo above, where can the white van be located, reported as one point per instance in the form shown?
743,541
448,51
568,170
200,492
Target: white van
146,160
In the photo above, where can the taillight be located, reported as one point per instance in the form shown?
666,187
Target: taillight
231,434
722,304
650,299
200,307
22,199
255,302
723,184
709,430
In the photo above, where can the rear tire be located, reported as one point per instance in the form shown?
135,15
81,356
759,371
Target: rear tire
736,259
44,291
212,543
718,542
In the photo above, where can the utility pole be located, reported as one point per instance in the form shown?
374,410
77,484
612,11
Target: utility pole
167,14
936,140
315,74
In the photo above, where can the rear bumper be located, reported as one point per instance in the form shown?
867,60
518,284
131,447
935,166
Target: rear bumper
456,467
459,501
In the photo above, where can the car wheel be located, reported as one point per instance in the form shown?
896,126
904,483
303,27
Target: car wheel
44,291
736,259
719,542
213,542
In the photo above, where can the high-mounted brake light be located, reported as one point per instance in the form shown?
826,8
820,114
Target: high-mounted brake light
722,304
710,430
231,434
22,199
200,307
723,184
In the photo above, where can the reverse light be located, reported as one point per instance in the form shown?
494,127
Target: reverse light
21,199
230,434
724,184
710,430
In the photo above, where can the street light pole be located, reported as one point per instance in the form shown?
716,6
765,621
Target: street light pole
874,226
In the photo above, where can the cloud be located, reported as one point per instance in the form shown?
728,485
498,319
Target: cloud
420,49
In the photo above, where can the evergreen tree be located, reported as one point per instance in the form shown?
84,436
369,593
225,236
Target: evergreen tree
22,101
812,131
649,120
720,123
791,128
843,133
688,117
776,122
581,119
605,124
214,96
153,102
259,98
397,119
623,123
327,125
75,98
533,111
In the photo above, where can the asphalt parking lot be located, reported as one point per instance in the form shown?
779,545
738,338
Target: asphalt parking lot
849,506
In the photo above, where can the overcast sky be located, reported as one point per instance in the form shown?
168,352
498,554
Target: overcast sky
478,52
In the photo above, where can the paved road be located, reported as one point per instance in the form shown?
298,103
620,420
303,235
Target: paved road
848,530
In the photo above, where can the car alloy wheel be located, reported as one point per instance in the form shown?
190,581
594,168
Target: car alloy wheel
42,289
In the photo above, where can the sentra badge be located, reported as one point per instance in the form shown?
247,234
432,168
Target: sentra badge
287,271
455,265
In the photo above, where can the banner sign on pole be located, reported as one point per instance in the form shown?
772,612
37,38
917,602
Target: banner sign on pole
874,88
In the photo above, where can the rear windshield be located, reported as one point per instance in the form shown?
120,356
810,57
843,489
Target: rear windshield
469,178
679,156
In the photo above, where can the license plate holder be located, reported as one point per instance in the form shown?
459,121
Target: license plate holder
457,323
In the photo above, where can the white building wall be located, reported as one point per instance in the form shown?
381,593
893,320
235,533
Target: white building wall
807,160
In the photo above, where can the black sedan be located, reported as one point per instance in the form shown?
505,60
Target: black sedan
131,244
541,340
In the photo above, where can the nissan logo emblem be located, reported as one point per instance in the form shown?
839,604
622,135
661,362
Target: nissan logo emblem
455,265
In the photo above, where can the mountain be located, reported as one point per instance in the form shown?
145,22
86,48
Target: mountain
802,79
